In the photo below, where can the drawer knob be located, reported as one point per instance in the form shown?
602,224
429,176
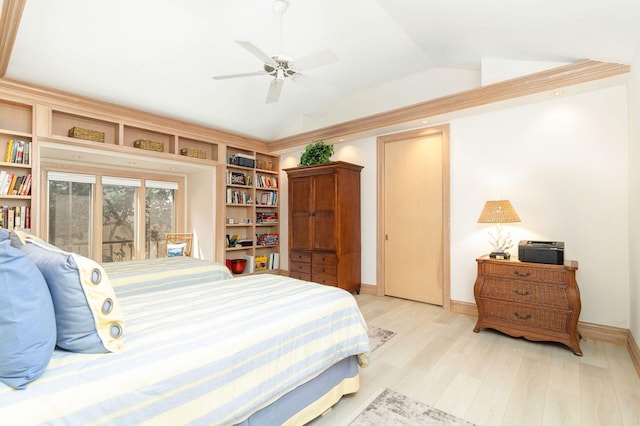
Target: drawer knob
526,293
523,317
526,274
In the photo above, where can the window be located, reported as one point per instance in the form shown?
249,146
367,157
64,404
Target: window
70,202
119,210
123,204
159,216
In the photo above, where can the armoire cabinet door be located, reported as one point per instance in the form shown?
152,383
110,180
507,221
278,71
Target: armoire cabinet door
300,199
324,212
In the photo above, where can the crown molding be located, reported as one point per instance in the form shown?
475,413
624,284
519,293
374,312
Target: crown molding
548,80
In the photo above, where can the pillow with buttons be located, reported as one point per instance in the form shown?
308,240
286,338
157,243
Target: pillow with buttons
88,316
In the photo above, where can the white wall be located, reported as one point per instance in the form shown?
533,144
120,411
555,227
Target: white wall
563,164
201,212
634,198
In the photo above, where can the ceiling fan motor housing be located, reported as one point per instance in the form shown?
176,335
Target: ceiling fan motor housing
284,65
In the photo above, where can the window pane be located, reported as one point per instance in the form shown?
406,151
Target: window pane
70,216
159,219
118,222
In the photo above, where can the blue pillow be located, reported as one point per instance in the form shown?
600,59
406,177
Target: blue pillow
27,319
88,316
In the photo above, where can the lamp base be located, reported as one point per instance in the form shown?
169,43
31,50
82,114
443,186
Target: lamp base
499,255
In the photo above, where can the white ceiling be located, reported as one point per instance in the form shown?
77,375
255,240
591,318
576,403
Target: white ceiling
159,55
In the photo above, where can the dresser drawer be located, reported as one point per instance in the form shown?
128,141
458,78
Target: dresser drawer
324,259
300,256
526,292
300,267
520,271
323,269
517,315
300,275
325,279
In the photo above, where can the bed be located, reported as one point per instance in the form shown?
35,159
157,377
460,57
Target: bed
201,347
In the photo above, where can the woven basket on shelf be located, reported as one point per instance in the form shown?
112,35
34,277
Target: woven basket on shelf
194,152
149,145
88,134
264,164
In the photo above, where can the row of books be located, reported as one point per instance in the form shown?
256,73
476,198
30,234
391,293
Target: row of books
267,239
238,178
12,184
267,217
15,217
238,197
262,262
267,181
269,198
18,152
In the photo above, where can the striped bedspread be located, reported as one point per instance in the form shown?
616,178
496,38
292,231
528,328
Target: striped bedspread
196,351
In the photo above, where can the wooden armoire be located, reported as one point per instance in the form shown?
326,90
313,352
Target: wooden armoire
324,224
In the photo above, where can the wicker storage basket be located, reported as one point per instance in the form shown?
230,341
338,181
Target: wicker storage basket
88,134
264,165
149,145
194,152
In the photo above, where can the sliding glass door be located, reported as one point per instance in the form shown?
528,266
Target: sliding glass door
135,215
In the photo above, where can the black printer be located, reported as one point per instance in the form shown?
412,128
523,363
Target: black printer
551,252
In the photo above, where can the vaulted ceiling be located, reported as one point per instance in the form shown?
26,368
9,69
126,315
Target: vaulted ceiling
160,55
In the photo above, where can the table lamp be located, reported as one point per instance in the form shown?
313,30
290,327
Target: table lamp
499,212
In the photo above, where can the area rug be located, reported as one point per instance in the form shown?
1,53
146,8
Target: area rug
394,409
378,337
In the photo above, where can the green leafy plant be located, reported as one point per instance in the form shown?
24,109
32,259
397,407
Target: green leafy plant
316,153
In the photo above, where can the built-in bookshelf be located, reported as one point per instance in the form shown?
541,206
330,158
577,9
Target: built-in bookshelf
16,157
252,227
125,137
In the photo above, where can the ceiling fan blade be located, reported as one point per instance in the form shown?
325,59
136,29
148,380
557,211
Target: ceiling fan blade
246,74
274,90
251,48
317,59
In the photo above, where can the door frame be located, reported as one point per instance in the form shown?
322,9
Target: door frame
443,130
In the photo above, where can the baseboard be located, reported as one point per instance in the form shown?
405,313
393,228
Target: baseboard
634,352
368,289
603,333
464,308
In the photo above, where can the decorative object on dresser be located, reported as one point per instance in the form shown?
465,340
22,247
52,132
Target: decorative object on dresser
316,153
499,212
536,301
324,224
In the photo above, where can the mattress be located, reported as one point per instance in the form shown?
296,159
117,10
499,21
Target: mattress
199,348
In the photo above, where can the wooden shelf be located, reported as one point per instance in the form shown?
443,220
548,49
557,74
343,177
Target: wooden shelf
240,212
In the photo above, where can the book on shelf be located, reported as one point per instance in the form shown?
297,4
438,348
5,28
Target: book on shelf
274,261
269,198
15,217
18,151
238,178
267,181
238,197
12,184
261,263
267,217
251,263
267,239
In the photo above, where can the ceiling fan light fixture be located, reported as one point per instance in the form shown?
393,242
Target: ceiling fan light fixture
280,6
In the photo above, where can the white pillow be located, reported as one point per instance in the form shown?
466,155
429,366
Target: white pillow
176,249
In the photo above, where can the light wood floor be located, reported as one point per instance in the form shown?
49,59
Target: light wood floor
489,378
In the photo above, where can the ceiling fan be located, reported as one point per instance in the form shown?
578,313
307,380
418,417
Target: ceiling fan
281,67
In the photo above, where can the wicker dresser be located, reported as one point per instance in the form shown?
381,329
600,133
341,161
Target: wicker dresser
531,300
